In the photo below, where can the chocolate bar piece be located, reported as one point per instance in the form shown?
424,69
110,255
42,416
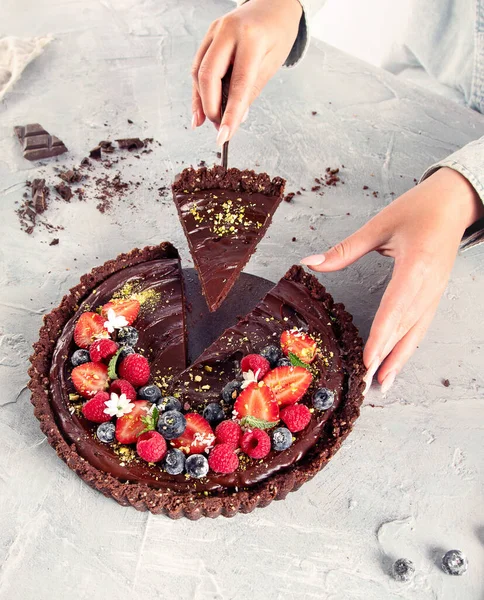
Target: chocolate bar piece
64,191
37,143
130,144
40,193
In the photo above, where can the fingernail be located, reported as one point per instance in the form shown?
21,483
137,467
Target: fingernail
195,120
223,135
372,369
388,382
315,259
244,118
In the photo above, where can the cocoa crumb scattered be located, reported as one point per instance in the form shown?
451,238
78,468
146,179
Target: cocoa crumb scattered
315,188
365,187
445,382
313,112
289,197
64,191
294,239
54,242
130,144
130,121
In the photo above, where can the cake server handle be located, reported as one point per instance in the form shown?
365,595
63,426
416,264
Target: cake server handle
225,97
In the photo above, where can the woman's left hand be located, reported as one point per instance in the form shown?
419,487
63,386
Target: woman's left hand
421,231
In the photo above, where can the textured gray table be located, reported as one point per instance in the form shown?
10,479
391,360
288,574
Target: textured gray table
409,480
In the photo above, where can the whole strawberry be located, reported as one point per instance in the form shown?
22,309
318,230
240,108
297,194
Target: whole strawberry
103,349
135,369
222,459
151,446
93,409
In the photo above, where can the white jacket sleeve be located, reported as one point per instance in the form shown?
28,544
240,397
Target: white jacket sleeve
469,162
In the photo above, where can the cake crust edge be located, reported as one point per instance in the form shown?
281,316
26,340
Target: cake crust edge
176,505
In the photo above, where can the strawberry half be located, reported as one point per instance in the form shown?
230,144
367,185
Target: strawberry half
257,407
90,378
300,344
89,327
130,426
128,309
289,384
197,437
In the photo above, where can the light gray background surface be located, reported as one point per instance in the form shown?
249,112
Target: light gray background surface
408,481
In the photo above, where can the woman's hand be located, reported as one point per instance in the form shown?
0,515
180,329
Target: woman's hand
256,38
421,231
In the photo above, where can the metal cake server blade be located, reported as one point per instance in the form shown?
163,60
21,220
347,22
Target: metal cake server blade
225,97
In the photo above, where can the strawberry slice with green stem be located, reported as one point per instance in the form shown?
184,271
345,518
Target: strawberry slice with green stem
288,384
131,425
89,327
299,343
257,407
197,437
129,309
90,378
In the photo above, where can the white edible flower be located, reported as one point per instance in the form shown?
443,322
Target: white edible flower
118,406
114,321
250,377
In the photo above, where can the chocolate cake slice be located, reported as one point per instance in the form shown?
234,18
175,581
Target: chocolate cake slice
224,214
297,311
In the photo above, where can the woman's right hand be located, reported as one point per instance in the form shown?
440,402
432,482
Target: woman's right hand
256,38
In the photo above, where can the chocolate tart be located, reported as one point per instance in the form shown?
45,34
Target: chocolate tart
224,214
298,300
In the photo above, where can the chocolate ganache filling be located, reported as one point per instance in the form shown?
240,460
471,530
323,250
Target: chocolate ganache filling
295,302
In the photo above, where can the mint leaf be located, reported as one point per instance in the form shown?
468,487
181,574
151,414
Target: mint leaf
112,365
151,420
297,362
255,423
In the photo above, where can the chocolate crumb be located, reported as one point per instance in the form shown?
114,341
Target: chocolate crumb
313,112
315,188
39,195
365,187
95,153
54,242
294,239
130,144
445,382
71,175
289,197
64,191
130,121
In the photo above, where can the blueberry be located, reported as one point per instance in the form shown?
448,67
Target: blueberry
125,351
403,569
151,393
171,424
323,399
127,336
196,465
105,432
169,403
174,462
281,439
272,354
284,362
231,391
213,413
454,562
80,357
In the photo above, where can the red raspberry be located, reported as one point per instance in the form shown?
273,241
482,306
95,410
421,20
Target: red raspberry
222,459
135,369
254,363
102,349
151,446
94,408
296,417
228,432
121,386
256,443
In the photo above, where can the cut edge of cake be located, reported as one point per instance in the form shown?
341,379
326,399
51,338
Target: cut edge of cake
246,181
